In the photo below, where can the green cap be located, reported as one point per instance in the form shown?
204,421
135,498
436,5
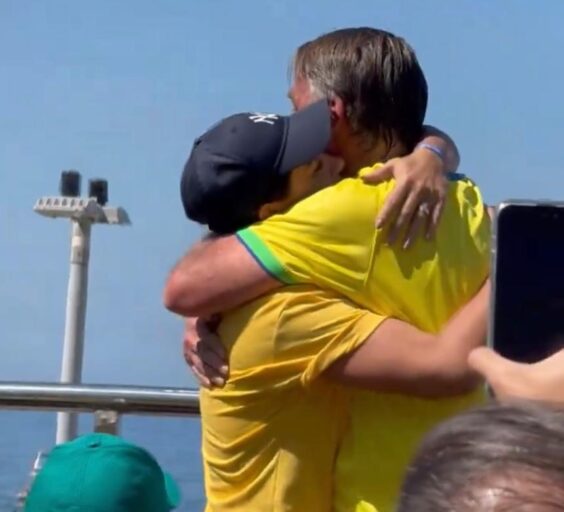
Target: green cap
101,473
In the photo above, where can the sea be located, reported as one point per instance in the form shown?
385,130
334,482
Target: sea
175,443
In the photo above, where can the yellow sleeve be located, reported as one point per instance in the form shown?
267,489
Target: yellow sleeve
315,328
345,328
327,239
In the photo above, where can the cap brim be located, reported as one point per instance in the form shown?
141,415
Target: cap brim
309,133
173,493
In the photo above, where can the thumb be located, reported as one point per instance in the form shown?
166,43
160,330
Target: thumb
488,363
379,175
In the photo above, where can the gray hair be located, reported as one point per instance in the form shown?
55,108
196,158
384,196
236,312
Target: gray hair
375,73
497,457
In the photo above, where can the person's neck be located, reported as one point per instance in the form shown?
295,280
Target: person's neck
358,154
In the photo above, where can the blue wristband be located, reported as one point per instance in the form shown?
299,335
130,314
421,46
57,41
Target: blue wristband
434,149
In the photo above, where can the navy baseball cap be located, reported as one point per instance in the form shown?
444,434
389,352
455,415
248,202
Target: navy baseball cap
242,161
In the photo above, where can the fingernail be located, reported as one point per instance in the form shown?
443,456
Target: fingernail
218,381
224,370
378,223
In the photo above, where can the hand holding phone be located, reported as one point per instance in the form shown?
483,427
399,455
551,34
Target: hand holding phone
527,308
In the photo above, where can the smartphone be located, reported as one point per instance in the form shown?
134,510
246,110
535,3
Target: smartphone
527,307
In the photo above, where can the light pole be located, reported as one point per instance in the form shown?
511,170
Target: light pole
82,212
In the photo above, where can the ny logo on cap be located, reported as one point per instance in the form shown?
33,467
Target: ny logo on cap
257,117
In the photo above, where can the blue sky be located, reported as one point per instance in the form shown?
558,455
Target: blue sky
120,89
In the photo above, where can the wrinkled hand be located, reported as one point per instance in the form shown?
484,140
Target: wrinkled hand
418,198
204,352
542,381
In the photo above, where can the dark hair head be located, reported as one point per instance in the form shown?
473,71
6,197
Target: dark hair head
236,214
377,76
495,458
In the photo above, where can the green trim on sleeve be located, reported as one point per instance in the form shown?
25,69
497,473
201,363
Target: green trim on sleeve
264,256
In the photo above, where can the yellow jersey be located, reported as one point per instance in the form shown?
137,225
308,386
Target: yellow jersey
330,240
270,437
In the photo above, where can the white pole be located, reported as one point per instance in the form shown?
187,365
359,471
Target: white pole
71,371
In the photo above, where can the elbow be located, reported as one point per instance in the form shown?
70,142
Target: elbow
179,296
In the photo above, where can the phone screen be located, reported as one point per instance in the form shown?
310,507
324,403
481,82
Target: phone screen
528,316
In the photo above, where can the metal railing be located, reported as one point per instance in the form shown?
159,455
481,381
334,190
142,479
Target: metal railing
106,402
84,398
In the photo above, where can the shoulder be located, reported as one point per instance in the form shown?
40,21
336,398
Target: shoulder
464,191
465,205
349,200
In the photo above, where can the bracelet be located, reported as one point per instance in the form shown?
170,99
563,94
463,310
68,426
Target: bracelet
434,149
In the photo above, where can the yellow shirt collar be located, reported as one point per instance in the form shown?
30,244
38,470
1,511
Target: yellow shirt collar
367,170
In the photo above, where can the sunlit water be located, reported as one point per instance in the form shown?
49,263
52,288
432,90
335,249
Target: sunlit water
175,442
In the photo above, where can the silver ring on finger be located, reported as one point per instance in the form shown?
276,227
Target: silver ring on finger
424,210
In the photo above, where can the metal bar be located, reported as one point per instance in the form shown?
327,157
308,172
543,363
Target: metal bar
73,348
90,398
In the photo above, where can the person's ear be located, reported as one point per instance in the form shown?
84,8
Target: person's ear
267,210
337,108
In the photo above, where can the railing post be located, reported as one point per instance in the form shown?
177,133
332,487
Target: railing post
73,348
82,212
106,422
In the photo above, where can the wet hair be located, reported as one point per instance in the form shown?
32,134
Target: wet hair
494,458
375,73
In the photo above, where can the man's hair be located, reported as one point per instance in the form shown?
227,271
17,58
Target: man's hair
377,76
498,457
240,215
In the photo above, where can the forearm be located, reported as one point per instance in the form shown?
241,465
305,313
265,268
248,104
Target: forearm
440,139
399,358
465,331
214,276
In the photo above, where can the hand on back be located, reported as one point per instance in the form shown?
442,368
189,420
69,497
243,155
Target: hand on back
204,353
